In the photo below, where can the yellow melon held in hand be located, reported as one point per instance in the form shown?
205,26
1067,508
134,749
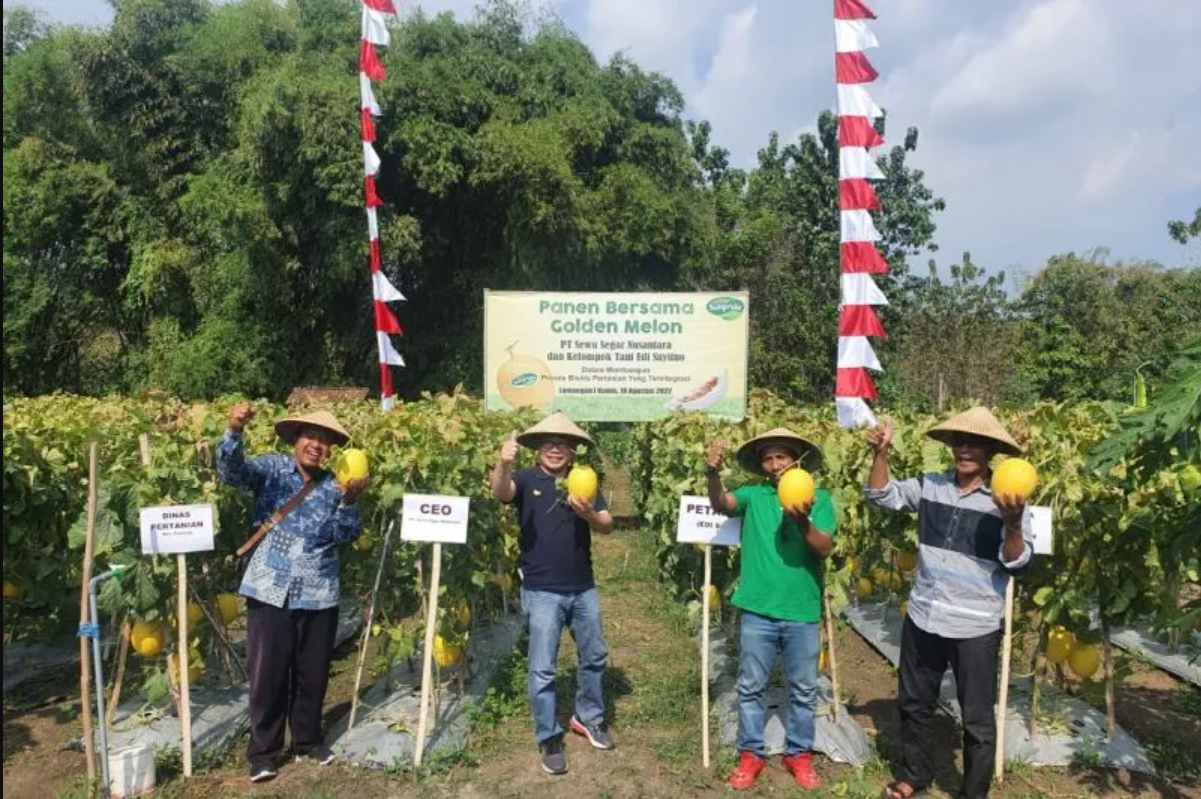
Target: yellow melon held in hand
796,488
581,483
351,465
1015,478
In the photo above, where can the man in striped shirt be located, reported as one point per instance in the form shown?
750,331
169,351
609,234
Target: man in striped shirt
970,542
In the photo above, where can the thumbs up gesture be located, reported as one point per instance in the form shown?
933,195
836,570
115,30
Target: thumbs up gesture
508,451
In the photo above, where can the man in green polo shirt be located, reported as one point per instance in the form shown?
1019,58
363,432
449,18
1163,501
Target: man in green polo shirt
780,594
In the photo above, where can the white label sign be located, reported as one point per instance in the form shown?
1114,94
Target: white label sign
177,529
429,517
1040,523
700,524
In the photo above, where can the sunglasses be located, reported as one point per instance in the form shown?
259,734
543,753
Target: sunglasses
968,440
549,445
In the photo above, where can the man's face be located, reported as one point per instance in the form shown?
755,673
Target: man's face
971,453
312,447
555,453
776,460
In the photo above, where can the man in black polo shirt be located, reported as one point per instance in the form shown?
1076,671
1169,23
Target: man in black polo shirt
557,587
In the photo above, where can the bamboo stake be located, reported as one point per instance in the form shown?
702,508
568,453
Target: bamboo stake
833,658
181,657
358,677
1038,669
705,655
1003,705
114,699
1111,722
428,655
89,550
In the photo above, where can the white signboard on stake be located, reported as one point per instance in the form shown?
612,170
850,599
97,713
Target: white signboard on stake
1040,523
700,524
177,529
431,517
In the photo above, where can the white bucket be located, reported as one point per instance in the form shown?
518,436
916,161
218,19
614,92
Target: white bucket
131,771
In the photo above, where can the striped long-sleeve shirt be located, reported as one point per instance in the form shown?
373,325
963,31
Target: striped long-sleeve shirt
960,588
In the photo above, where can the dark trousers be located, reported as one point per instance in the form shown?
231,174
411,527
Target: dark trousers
924,660
288,656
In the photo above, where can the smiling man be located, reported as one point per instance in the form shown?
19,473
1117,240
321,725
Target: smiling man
557,585
291,582
780,594
970,541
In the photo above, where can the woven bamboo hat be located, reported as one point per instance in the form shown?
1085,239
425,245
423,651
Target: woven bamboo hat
808,454
557,424
980,422
290,428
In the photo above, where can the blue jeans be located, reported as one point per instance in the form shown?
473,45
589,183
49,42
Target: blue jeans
548,613
800,643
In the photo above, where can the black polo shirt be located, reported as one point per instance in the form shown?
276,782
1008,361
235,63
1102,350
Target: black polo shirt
556,545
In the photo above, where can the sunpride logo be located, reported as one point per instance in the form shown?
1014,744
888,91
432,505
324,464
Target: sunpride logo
727,308
524,380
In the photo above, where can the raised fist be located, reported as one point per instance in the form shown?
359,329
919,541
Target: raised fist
240,416
715,454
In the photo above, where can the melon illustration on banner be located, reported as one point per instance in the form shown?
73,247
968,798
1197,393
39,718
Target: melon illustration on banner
523,381
701,396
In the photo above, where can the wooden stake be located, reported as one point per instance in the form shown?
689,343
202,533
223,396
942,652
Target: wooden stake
122,656
705,655
833,658
1038,668
431,619
1111,722
181,657
1003,705
85,661
358,677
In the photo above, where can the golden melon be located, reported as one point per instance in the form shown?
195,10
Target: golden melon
1084,660
863,588
446,654
351,465
906,560
581,483
1015,478
1059,644
229,606
796,488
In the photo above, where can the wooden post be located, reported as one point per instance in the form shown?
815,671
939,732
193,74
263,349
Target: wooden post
427,656
1038,668
1111,722
89,549
705,655
114,699
1003,705
833,658
358,677
181,657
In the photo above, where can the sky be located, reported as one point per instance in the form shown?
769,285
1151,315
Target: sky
1048,126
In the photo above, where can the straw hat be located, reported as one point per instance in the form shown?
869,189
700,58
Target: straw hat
977,422
557,424
808,454
290,428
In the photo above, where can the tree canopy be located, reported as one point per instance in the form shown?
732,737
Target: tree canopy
183,210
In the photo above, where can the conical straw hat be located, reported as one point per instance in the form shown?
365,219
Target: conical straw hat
808,454
977,422
557,424
290,428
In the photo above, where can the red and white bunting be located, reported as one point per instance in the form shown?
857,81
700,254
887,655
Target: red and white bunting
375,33
857,199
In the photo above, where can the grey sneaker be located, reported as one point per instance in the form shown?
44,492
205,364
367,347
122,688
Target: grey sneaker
597,734
261,772
320,754
554,759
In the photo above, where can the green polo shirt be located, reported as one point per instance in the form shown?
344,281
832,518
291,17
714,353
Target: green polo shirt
781,576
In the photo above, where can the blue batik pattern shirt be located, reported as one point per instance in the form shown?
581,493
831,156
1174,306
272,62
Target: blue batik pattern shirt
296,564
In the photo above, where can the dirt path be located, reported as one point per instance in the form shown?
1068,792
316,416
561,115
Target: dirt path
652,695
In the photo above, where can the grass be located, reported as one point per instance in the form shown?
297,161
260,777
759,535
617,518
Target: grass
1174,761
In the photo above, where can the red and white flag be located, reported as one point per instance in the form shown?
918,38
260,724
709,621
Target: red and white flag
857,134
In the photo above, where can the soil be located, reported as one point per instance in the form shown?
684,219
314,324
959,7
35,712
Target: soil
653,701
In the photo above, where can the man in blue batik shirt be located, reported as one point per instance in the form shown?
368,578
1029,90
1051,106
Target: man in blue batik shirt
291,582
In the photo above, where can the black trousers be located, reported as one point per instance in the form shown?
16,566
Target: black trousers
288,658
924,660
